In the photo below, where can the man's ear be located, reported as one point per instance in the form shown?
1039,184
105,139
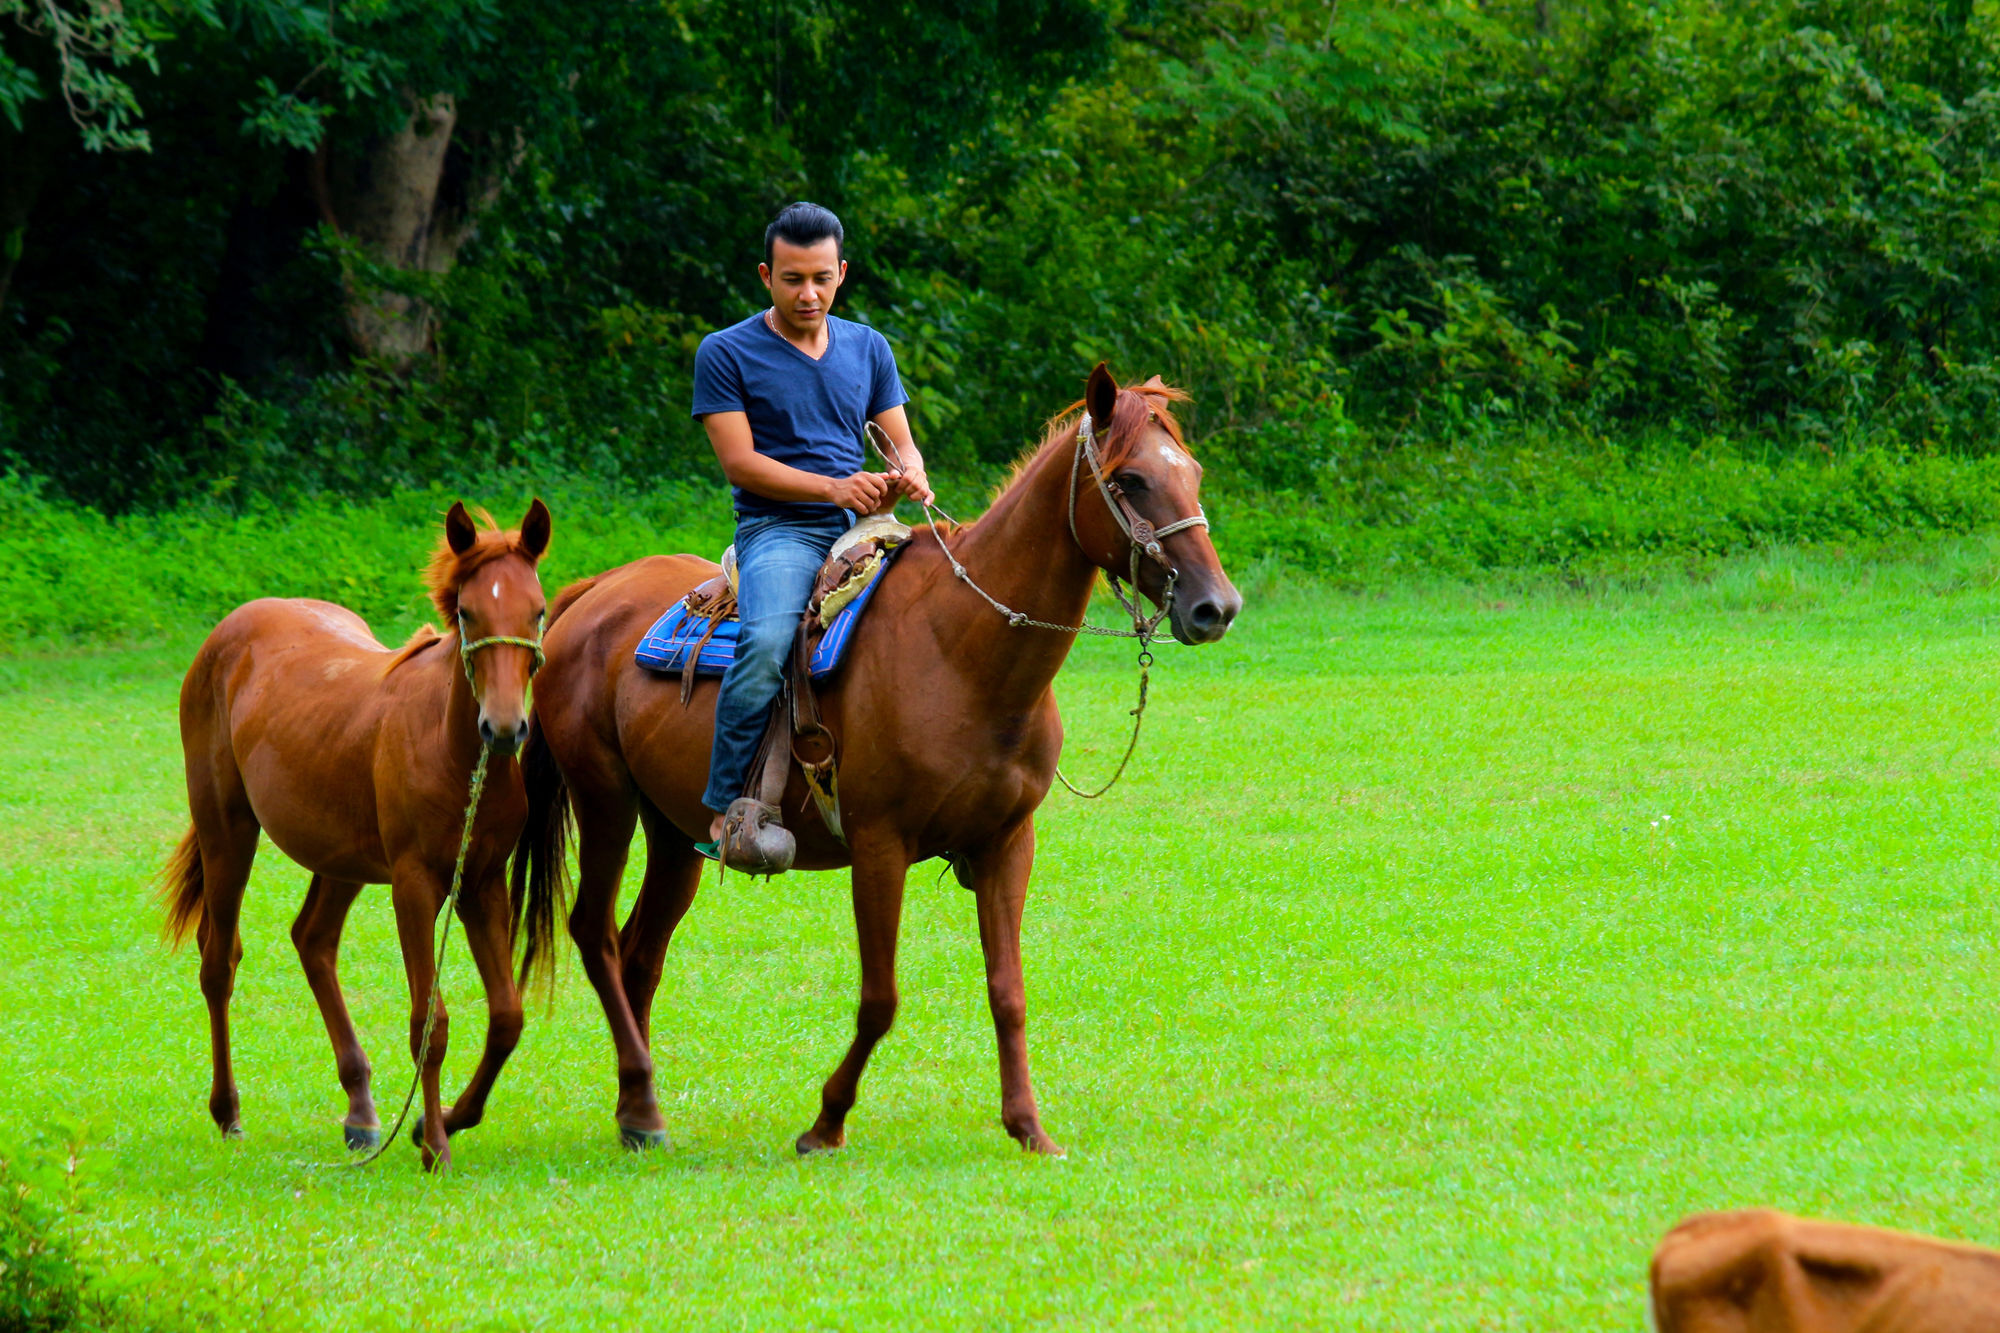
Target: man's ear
535,529
458,530
1100,397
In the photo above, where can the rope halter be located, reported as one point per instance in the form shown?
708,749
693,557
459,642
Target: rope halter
1144,537
466,648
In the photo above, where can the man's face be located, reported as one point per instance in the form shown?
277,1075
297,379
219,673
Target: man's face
803,279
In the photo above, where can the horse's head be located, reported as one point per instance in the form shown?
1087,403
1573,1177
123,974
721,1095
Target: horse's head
485,583
1151,485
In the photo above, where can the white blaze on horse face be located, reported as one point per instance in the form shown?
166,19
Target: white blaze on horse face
496,590
1173,457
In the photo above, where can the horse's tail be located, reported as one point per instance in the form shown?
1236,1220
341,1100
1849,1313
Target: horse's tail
540,873
539,878
181,890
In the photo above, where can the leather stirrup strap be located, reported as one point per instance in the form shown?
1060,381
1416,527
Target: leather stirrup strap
812,743
776,754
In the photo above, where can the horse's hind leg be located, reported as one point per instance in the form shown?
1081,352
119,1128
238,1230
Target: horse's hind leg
673,875
489,934
226,834
316,935
999,875
605,817
879,872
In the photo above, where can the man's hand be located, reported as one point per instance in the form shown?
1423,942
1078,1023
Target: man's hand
912,482
864,492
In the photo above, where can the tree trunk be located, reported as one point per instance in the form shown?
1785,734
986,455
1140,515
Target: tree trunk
409,201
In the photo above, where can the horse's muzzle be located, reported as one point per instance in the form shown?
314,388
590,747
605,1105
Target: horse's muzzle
1205,619
503,741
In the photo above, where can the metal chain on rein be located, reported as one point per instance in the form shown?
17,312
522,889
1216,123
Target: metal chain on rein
1144,628
465,652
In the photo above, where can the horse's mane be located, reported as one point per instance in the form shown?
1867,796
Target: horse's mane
449,570
423,638
1135,405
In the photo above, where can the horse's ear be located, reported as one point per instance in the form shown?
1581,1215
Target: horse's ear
1100,396
1154,382
459,533
535,528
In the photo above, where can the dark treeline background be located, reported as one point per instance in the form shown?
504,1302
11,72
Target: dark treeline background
251,249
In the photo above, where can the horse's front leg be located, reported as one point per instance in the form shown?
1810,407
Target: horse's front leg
418,895
998,872
880,866
489,935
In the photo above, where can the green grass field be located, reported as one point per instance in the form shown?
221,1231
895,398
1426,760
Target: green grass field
1385,994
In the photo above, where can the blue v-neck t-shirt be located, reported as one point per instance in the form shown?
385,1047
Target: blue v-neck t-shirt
805,413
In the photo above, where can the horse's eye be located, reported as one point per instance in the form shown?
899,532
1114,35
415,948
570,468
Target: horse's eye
1132,482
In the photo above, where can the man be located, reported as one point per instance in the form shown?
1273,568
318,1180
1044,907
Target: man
784,397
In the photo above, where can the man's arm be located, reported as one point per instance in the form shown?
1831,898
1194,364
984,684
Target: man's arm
729,436
910,480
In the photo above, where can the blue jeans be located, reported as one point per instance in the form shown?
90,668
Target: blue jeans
777,558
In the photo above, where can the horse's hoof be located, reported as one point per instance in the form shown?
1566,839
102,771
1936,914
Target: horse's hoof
360,1138
417,1130
641,1140
434,1162
810,1142
233,1130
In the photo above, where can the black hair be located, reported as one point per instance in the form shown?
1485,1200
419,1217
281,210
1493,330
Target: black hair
805,224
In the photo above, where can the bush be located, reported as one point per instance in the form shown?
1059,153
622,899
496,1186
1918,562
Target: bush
1508,498
47,1283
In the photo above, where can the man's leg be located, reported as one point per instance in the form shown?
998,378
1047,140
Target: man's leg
776,562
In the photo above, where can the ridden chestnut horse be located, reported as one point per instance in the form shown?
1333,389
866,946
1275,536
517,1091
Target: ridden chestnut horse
357,761
947,726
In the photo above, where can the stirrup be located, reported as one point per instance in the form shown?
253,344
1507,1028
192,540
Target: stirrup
755,840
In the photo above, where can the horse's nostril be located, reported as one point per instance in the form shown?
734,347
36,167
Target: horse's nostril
1206,614
485,731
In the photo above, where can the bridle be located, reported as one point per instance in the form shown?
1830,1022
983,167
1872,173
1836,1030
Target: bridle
1145,540
467,648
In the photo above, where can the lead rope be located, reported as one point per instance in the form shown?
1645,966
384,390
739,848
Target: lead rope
1143,627
437,972
465,652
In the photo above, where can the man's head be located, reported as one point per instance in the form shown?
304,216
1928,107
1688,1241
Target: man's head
803,267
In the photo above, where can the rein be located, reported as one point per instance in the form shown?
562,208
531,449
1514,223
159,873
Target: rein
465,652
1145,540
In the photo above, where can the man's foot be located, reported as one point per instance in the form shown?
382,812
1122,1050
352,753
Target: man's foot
712,849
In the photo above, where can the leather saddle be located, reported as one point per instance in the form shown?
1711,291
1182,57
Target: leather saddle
755,840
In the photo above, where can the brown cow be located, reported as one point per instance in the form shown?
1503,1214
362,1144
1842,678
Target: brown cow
1760,1271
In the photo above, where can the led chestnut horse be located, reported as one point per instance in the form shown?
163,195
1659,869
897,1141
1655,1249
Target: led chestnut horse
947,727
357,760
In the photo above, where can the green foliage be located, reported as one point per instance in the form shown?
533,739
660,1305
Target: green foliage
48,1284
1366,223
43,1281
1504,501
69,574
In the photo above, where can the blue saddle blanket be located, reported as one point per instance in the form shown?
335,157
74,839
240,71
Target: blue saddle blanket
666,645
